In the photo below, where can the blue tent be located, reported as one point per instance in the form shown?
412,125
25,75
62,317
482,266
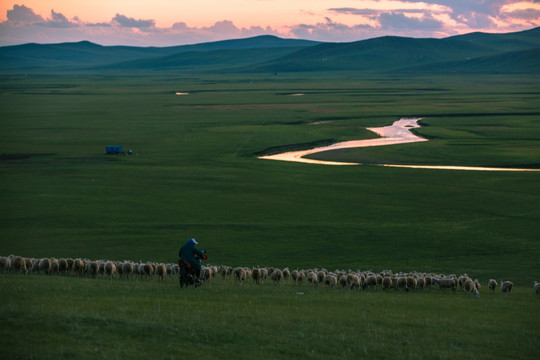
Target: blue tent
113,149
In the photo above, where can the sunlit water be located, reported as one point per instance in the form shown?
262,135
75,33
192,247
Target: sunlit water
397,133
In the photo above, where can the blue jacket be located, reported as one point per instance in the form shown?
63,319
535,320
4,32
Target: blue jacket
187,253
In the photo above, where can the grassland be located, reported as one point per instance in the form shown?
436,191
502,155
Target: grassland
193,173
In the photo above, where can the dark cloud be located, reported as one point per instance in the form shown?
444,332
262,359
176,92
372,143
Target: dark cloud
21,13
128,22
394,20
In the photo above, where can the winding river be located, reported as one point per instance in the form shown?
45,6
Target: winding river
397,133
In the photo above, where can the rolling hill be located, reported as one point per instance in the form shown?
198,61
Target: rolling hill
470,53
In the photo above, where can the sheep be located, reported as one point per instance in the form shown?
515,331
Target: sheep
492,285
54,266
298,277
29,264
469,287
206,273
386,283
446,283
110,269
62,266
277,276
321,274
18,264
342,280
35,266
264,274
70,263
239,274
313,278
353,282
506,287
537,288
127,269
148,270
224,271
286,274
160,270
78,267
477,284
256,275
330,281
101,268
92,268
411,283
371,281
421,282
45,265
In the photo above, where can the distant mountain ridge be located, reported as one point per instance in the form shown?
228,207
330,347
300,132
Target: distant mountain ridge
516,52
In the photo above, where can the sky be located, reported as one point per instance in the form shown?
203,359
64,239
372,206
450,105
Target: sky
179,22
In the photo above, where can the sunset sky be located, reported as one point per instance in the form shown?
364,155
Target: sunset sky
177,22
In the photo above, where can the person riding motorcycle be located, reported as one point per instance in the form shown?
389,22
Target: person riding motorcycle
189,253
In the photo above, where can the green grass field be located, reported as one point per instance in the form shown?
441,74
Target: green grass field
193,173
66,317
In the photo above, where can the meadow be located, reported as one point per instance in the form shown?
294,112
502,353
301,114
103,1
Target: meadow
194,173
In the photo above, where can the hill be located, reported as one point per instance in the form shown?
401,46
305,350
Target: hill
391,54
84,54
475,52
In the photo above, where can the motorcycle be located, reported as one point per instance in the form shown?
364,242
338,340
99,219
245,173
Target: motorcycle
188,274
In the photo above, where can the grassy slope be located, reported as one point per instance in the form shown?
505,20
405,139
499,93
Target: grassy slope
87,319
193,174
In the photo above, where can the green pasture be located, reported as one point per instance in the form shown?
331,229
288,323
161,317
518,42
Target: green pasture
193,173
52,317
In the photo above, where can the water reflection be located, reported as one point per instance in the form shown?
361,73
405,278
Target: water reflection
397,133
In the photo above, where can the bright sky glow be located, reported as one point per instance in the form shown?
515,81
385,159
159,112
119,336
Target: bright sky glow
176,22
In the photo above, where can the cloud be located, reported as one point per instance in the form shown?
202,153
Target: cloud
411,18
128,22
58,20
21,13
331,31
393,20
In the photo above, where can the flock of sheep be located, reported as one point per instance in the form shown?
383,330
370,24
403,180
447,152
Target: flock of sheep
349,279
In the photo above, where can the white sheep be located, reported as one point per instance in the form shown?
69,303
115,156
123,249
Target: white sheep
330,280
492,285
54,266
78,267
370,281
62,266
446,283
277,276
342,280
127,269
18,264
506,287
256,275
286,274
387,283
239,274
92,268
45,265
537,288
312,278
110,269
160,270
470,287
